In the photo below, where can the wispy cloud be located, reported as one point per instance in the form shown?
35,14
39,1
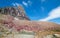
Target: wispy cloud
29,2
16,4
26,3
43,1
42,8
55,13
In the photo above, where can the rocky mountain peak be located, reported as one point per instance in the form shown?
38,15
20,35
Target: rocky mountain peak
17,12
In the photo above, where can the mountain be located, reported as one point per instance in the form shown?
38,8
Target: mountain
17,12
14,23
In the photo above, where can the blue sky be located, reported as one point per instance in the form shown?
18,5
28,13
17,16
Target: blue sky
39,10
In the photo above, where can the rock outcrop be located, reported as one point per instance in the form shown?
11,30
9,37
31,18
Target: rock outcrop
17,12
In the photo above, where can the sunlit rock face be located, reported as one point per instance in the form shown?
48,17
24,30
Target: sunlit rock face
20,36
52,36
26,36
49,36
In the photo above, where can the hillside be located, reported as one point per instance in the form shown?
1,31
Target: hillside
15,26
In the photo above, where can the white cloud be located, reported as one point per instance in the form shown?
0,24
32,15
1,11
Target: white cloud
29,2
16,4
55,13
26,3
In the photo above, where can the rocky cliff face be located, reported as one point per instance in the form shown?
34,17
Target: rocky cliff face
17,12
